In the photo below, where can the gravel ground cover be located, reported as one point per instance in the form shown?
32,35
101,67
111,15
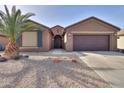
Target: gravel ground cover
44,70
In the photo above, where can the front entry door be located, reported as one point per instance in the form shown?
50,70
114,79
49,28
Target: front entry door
57,41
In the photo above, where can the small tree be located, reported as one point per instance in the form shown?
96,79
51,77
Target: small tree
12,25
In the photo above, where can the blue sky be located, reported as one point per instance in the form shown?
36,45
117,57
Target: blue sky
51,15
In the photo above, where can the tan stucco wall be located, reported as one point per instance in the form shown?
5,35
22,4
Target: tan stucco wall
120,42
113,42
91,27
49,41
3,40
68,41
46,43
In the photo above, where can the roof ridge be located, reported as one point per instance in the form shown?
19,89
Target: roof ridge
58,26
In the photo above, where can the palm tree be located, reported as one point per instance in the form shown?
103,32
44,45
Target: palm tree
12,25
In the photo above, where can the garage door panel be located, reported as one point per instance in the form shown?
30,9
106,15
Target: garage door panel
91,43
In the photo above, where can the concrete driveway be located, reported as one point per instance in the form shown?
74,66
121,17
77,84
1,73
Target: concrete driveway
109,65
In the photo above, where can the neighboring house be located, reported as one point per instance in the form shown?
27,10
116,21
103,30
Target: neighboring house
121,40
91,34
3,39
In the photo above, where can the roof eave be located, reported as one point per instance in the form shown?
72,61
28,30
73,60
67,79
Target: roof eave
93,17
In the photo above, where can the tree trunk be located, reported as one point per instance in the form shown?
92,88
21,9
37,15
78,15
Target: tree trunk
11,50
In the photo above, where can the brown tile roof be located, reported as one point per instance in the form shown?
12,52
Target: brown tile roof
40,24
93,18
49,30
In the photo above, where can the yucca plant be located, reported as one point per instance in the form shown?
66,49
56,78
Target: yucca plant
12,24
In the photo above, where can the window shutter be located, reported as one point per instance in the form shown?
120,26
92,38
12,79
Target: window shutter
39,35
19,41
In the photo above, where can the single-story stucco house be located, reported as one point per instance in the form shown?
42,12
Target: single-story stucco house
91,34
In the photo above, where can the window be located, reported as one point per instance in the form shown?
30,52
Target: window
29,39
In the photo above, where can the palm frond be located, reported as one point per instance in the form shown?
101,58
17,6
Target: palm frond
26,16
13,11
14,23
2,15
7,11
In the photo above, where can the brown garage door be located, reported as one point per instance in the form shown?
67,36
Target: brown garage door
91,42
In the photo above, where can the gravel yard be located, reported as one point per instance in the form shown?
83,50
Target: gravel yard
45,70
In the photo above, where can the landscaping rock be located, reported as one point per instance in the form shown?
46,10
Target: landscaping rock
26,56
74,61
16,58
2,59
20,56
